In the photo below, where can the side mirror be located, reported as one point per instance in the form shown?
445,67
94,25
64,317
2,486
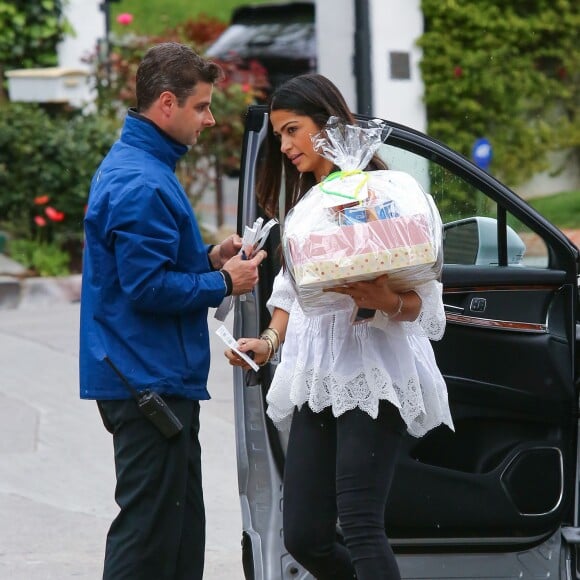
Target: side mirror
473,241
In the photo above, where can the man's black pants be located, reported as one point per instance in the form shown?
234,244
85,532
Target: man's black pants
159,533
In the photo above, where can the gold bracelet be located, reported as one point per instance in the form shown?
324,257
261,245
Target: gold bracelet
272,329
272,334
270,349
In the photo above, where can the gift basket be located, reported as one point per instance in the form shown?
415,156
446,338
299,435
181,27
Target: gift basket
358,225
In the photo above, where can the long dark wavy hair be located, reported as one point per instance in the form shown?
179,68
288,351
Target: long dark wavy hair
311,95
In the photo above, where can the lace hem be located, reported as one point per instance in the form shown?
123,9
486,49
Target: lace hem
421,411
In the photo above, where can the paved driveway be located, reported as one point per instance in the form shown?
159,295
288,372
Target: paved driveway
56,462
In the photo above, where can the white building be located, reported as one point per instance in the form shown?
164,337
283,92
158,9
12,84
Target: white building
369,46
88,22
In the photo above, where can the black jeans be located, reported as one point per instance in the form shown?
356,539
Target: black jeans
341,468
159,533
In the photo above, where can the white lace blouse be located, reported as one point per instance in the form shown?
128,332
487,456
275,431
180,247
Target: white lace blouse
328,362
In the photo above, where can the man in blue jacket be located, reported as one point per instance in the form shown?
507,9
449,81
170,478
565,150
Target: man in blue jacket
148,281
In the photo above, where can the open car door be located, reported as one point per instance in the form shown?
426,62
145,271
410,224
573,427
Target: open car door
497,498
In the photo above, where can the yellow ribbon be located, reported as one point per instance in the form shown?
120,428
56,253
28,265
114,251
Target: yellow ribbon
342,175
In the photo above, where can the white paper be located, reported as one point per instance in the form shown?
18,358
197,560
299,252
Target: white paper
252,241
230,341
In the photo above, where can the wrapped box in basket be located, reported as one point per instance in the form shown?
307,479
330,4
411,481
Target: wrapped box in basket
361,251
358,224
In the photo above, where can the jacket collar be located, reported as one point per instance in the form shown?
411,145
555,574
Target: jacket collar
139,131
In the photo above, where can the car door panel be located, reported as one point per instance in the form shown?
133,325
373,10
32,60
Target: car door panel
505,476
506,359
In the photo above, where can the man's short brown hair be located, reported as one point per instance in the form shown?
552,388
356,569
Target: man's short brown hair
173,67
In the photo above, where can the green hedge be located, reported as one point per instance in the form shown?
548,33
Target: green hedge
508,71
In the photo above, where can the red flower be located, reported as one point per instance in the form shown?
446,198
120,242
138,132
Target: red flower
457,72
125,19
39,221
54,214
41,199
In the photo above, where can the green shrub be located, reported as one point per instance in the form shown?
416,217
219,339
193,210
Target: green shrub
46,165
42,258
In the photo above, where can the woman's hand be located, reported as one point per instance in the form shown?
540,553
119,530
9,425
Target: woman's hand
378,295
375,294
259,347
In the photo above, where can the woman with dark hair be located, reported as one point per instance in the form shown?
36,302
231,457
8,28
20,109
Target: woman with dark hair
350,391
313,97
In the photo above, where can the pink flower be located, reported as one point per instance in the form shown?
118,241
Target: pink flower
246,88
39,221
54,214
457,72
125,19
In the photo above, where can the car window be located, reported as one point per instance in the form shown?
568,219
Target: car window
469,216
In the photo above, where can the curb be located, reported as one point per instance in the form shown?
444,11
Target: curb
9,292
38,292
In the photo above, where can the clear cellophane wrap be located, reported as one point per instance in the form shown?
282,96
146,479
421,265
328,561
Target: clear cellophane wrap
358,225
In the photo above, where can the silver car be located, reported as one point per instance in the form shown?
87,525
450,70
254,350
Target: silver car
499,497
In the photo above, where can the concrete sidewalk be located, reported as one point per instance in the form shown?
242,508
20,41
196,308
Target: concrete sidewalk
56,459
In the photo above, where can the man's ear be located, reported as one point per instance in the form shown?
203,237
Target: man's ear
167,102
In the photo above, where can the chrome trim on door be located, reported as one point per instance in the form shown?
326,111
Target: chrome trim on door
529,327
559,500
450,307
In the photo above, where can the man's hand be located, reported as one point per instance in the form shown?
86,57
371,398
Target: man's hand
221,253
244,273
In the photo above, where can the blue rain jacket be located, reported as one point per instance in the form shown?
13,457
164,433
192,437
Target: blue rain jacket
147,282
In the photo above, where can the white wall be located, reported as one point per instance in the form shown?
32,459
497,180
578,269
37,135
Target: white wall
395,26
335,39
88,22
548,182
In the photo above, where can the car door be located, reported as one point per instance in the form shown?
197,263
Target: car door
493,498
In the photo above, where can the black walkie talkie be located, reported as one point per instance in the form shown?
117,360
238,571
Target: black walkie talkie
152,405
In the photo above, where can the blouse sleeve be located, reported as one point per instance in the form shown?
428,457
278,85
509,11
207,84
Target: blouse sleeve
431,319
283,292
